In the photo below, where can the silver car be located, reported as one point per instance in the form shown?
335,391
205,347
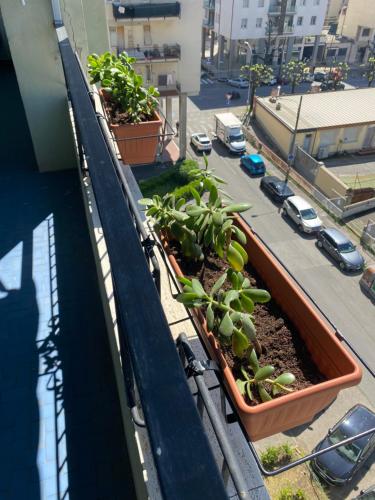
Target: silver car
241,83
201,142
302,214
340,249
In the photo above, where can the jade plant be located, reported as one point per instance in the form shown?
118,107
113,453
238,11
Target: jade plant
124,87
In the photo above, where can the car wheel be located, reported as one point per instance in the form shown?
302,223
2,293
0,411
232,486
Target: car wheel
320,244
283,213
300,228
342,266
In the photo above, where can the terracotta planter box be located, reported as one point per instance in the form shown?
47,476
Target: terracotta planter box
334,362
137,142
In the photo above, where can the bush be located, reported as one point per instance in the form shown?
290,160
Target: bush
173,178
275,456
287,493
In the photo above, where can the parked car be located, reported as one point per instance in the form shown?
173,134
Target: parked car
254,164
273,81
222,79
307,77
234,94
302,214
201,142
367,494
367,281
329,85
340,249
320,77
276,188
339,466
241,83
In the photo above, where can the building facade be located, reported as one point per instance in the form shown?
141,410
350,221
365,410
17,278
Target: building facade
159,36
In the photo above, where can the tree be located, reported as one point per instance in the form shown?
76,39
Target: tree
338,73
269,41
257,74
370,71
294,72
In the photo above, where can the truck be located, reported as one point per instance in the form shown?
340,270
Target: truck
229,132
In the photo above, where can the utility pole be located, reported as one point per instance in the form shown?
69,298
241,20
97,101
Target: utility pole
292,144
249,56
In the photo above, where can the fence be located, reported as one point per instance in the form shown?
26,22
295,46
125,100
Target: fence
368,236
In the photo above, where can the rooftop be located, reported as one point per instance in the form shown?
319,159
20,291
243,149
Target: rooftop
325,109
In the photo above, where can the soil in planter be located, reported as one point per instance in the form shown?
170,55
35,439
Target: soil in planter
282,346
120,118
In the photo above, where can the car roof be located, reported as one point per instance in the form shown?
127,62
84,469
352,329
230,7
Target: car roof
299,202
256,158
358,419
272,178
336,235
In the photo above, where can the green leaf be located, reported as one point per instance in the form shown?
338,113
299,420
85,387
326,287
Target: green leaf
230,296
248,390
218,284
186,297
179,216
234,258
177,230
235,316
264,396
247,303
195,211
264,372
237,207
197,288
184,281
226,326
240,235
245,374
195,195
146,201
248,327
285,378
179,203
239,343
241,385
208,235
213,195
257,295
241,250
253,360
275,390
246,283
217,218
210,318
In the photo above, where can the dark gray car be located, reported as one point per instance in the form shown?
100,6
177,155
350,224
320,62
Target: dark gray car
341,249
339,466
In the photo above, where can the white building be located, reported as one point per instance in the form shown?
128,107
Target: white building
164,37
270,26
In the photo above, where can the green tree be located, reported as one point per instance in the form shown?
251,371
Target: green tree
294,71
339,73
257,73
370,71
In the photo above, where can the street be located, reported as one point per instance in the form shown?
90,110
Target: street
338,294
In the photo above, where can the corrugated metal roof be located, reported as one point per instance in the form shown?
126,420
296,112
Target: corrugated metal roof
325,109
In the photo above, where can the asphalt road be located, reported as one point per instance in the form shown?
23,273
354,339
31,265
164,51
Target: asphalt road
338,294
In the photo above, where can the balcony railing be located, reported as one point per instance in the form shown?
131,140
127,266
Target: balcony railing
286,29
155,53
208,23
275,9
209,4
145,10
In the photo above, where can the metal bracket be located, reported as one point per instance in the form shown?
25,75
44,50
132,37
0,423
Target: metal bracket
196,367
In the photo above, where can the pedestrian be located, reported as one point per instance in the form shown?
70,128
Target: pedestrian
177,127
228,98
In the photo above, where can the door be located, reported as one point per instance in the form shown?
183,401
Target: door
369,138
307,143
120,38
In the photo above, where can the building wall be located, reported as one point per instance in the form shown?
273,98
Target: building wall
334,8
96,29
341,143
277,132
170,31
329,184
358,13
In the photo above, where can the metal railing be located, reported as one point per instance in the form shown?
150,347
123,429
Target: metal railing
143,330
276,9
164,52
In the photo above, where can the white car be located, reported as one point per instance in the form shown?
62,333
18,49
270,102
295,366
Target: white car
302,214
201,142
241,83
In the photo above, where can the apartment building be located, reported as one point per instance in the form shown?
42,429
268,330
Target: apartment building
269,26
164,37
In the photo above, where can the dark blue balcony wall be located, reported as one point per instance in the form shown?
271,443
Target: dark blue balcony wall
145,10
61,433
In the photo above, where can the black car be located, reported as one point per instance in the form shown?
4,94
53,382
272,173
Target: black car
276,188
330,85
339,466
234,94
341,249
320,77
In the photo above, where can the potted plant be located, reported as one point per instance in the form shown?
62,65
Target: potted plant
246,338
130,108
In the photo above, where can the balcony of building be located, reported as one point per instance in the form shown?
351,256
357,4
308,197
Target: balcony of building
277,8
209,4
154,53
149,10
209,22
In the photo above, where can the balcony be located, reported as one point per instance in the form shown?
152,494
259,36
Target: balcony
155,53
208,23
145,10
209,4
276,9
286,30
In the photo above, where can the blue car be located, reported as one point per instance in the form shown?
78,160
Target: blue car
254,164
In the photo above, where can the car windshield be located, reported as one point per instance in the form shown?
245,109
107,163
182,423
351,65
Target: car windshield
204,141
350,451
346,247
236,138
282,188
308,214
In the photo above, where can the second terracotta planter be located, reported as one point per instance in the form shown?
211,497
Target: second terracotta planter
332,359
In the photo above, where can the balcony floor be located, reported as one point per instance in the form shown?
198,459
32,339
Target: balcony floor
61,432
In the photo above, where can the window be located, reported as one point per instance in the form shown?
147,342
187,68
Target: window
244,23
259,22
313,20
260,3
342,52
366,32
316,2
245,4
351,134
299,21
331,52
